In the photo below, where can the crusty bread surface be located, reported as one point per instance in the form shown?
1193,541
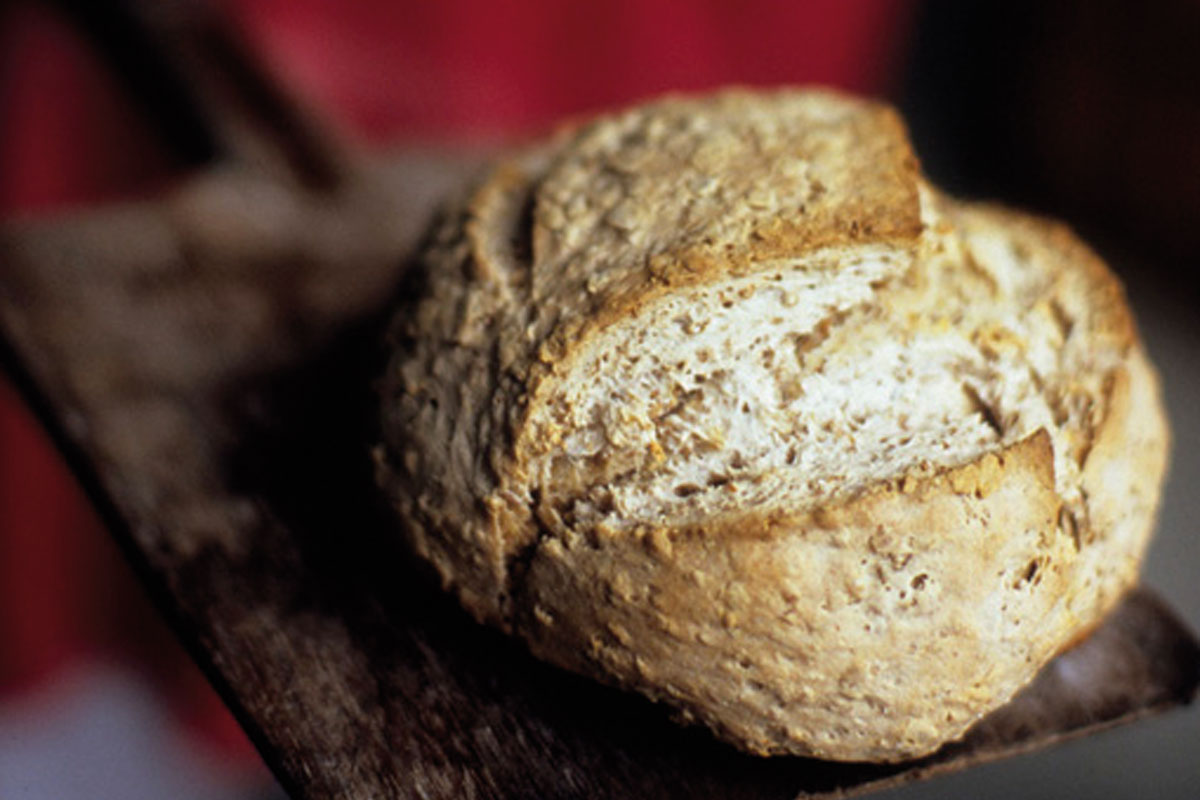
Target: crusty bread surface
717,399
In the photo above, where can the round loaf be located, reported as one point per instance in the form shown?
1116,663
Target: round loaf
718,400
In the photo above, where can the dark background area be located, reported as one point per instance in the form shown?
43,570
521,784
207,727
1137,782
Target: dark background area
1088,111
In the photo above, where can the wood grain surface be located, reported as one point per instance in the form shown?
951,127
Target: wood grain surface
206,362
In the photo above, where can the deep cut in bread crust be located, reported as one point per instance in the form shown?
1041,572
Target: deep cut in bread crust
717,400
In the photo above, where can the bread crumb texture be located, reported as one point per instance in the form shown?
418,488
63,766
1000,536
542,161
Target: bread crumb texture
717,399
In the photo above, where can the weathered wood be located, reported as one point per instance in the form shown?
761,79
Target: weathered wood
206,363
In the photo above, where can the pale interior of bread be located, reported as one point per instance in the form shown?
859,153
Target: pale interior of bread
811,378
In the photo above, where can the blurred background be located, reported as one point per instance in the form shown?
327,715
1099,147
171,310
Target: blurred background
1089,111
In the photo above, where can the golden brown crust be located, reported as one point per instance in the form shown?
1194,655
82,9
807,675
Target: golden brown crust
778,615
875,621
508,295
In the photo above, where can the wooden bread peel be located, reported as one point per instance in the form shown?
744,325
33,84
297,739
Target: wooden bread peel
205,362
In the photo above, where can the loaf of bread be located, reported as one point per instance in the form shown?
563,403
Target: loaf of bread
717,399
